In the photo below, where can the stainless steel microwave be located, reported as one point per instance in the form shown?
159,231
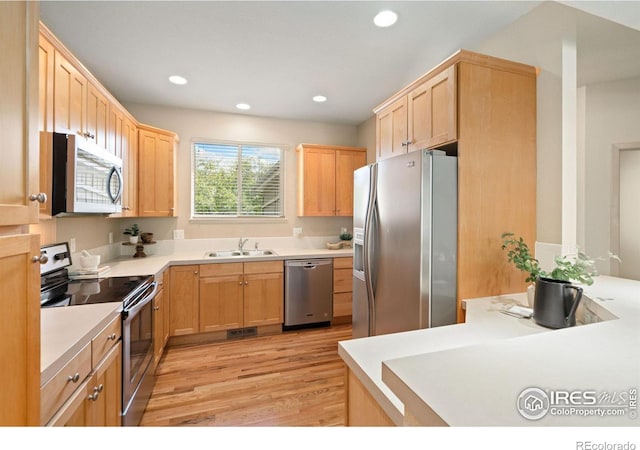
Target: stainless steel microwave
84,178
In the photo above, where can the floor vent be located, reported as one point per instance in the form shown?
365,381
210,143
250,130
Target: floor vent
242,332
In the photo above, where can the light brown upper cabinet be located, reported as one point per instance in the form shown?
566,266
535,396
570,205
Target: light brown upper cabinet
325,178
423,117
122,140
155,171
432,111
46,65
70,97
391,129
97,116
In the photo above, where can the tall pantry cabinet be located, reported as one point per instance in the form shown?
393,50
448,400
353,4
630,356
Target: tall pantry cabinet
19,250
483,110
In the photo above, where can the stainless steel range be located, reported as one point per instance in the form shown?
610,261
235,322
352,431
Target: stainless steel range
136,295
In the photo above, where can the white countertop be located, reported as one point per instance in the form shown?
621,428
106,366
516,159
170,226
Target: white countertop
65,330
471,374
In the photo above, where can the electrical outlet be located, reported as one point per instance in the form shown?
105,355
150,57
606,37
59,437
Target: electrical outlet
178,234
297,231
110,237
72,245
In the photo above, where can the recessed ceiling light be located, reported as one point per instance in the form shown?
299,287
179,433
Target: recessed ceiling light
319,98
243,106
385,18
177,79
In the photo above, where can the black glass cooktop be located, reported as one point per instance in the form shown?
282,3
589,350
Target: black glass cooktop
87,292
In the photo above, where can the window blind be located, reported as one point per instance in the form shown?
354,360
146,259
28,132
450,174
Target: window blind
237,180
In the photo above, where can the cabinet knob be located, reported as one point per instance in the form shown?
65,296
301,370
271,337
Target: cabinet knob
93,397
246,283
195,272
112,337
99,388
240,283
156,308
42,258
73,378
40,198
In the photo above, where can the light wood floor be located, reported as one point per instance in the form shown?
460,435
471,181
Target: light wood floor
291,379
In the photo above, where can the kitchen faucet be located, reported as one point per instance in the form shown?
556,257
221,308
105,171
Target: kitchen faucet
241,243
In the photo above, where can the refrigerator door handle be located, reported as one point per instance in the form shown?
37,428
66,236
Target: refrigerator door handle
369,242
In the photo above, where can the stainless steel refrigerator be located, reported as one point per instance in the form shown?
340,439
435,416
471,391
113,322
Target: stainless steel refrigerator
405,243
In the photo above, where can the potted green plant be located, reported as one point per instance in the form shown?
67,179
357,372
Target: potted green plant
133,232
577,268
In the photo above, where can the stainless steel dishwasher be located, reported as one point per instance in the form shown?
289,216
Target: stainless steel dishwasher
308,292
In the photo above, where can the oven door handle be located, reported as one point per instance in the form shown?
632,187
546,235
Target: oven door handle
139,304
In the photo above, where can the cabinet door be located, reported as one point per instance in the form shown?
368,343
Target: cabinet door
129,152
104,391
158,326
97,116
70,97
391,130
263,299
317,191
19,326
183,307
155,174
346,162
166,327
437,124
46,54
221,306
18,112
114,131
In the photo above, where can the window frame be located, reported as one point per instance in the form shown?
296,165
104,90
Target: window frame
236,218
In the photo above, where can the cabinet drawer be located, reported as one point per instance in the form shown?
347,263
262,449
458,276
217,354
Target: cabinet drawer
104,340
263,267
343,263
342,304
219,270
342,280
58,389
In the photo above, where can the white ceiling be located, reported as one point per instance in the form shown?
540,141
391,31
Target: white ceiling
272,55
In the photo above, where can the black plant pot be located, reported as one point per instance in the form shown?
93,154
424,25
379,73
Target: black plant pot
555,303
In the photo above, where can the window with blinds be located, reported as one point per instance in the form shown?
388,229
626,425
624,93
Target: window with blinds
236,180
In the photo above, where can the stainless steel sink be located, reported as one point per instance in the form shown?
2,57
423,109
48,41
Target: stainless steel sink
258,252
236,253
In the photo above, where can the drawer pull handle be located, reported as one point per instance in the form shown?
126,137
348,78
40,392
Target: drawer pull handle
112,337
74,378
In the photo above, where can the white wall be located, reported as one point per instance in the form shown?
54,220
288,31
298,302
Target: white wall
190,124
612,116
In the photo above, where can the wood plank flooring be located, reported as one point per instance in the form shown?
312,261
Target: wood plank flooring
291,379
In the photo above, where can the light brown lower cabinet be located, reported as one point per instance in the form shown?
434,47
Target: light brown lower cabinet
98,400
342,290
362,408
238,295
160,317
87,391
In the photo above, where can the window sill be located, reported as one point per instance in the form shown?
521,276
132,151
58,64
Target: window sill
212,220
